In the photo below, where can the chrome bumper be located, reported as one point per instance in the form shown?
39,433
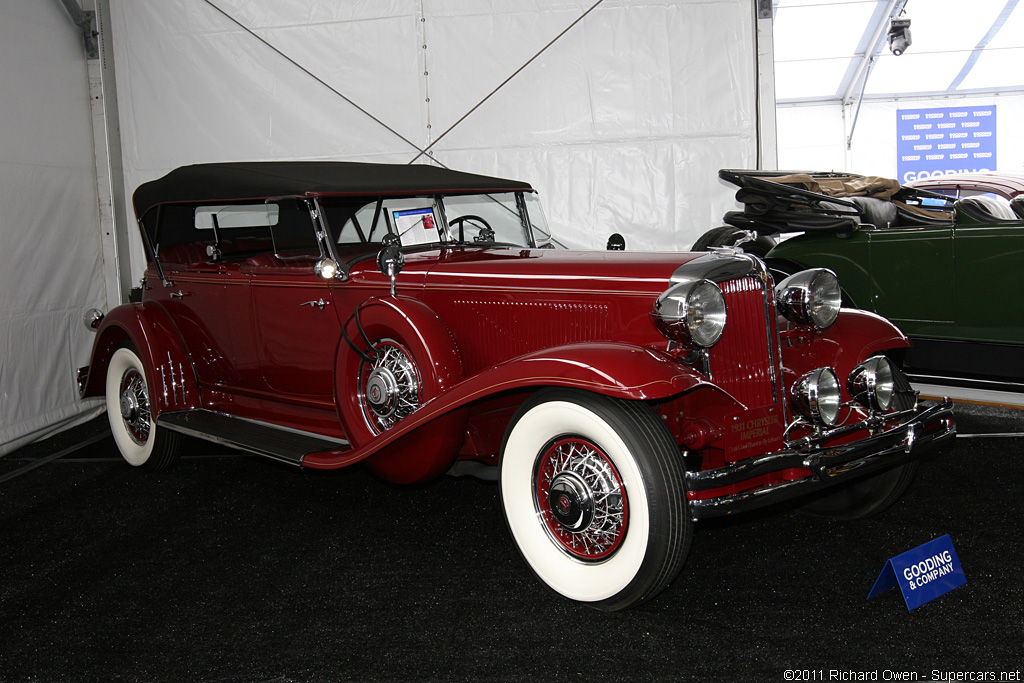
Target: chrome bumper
925,430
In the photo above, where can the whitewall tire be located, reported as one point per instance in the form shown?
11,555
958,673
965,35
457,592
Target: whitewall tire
594,496
140,441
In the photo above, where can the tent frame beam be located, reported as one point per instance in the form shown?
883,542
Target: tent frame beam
867,61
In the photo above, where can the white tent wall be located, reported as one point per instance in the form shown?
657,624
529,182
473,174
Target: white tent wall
621,123
51,268
813,137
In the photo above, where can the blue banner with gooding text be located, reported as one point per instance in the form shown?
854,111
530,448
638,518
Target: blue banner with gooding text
923,574
945,140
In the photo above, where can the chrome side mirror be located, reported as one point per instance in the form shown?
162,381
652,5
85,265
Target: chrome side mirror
390,259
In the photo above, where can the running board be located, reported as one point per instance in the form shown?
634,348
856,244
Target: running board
279,443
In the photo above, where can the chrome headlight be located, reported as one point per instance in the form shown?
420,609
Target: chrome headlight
692,313
810,297
816,396
93,318
871,383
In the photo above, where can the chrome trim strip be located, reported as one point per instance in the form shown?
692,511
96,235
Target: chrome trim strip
964,382
771,329
976,395
82,379
928,429
163,380
174,381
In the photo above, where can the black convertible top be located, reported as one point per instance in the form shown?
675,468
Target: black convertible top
259,179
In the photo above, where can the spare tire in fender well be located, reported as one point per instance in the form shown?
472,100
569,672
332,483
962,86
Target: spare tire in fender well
428,357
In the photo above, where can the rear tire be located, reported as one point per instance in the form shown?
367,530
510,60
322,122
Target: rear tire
141,443
593,492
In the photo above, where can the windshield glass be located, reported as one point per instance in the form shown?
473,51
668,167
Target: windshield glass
480,219
538,220
486,219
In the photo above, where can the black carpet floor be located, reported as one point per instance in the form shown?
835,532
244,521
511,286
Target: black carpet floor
232,568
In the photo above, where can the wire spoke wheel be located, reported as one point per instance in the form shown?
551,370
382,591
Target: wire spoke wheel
594,495
130,413
389,387
579,494
134,403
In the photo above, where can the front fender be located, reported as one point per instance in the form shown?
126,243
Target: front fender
853,337
619,370
168,368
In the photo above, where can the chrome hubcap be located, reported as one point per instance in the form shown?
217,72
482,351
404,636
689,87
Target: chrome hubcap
581,499
382,391
571,501
134,402
390,385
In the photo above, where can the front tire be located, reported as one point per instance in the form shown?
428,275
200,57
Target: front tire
140,441
864,498
593,492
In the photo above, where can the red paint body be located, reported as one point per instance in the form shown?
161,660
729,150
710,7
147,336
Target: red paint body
493,321
261,336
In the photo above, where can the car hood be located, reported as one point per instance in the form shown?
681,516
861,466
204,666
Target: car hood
533,269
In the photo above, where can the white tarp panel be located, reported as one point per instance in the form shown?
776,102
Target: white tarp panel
51,267
621,123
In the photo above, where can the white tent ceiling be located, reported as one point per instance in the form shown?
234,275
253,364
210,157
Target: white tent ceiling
958,48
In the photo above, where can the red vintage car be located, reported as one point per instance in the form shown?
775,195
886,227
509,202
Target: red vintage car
415,319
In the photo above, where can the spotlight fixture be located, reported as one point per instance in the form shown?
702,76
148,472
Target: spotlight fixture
899,35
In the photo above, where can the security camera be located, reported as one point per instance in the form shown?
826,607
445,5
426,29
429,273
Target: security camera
899,36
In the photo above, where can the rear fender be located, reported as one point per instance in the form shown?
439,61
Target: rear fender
169,370
619,370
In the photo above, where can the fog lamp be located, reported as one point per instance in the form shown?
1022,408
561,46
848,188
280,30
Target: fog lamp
816,396
871,383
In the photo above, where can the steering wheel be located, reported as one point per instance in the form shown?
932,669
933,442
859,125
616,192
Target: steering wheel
486,232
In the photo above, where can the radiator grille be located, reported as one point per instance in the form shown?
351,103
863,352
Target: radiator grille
741,361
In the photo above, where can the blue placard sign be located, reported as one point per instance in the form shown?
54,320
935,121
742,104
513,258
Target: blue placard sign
923,574
941,141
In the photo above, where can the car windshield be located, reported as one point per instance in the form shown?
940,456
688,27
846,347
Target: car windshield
498,219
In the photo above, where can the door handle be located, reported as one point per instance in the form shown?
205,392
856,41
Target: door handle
177,295
318,302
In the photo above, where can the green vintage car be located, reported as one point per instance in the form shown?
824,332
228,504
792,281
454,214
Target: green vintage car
949,272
